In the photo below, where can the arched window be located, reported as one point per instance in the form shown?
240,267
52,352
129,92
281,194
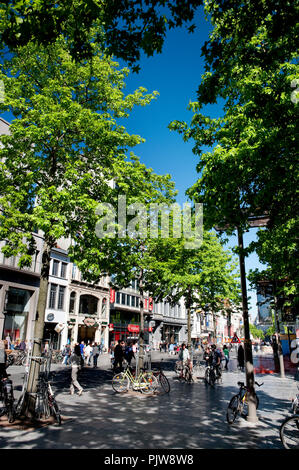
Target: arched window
88,305
72,302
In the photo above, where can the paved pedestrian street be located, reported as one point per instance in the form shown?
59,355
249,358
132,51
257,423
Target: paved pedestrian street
191,416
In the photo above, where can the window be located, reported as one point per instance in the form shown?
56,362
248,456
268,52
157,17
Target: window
117,297
128,300
74,270
55,266
52,298
61,297
72,302
123,299
133,301
63,270
137,302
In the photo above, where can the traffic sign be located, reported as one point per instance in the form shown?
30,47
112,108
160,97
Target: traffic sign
235,339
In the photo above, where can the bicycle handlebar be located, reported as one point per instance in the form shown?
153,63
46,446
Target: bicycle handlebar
259,385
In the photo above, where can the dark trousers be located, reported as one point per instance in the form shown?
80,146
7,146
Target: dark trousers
95,360
118,363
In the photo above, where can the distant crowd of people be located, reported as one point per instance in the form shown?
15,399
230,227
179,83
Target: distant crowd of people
18,344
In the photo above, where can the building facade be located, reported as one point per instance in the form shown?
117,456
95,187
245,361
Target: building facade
162,322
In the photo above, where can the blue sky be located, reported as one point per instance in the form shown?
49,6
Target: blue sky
175,74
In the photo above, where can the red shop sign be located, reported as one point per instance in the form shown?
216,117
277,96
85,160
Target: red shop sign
150,304
111,326
133,328
112,296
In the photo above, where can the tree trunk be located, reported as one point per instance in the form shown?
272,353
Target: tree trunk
141,334
229,324
30,398
214,327
277,327
252,417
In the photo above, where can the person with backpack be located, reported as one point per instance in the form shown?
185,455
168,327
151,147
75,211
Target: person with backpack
129,354
216,359
95,354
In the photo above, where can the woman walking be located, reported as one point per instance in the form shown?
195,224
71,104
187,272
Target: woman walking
75,361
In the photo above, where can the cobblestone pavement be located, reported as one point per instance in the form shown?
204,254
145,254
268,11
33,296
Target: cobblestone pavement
191,416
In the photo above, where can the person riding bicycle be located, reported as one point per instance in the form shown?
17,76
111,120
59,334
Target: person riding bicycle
216,359
184,357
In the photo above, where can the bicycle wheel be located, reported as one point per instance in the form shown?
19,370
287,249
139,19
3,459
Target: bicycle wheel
148,383
55,411
233,409
10,410
207,376
177,368
289,432
120,383
212,378
163,380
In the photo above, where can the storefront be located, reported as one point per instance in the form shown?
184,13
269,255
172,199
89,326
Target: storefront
125,325
16,310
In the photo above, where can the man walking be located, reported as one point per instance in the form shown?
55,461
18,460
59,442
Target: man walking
119,355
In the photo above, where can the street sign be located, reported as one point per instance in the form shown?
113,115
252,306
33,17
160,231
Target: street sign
235,339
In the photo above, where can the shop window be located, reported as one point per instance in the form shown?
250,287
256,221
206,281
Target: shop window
16,313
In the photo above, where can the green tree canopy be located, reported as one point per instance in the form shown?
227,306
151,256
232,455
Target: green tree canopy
126,26
250,169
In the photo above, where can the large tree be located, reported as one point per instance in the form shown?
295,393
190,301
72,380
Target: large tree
127,26
64,149
251,63
204,275
124,246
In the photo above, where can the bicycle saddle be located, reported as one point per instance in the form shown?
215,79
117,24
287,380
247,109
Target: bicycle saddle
241,384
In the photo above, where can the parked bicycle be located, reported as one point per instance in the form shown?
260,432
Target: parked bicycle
289,429
7,398
239,403
162,379
46,404
184,371
57,357
17,357
145,382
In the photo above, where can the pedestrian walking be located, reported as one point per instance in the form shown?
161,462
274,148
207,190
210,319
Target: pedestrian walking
118,355
66,352
75,360
87,354
3,358
8,339
129,353
226,355
95,354
82,348
241,357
